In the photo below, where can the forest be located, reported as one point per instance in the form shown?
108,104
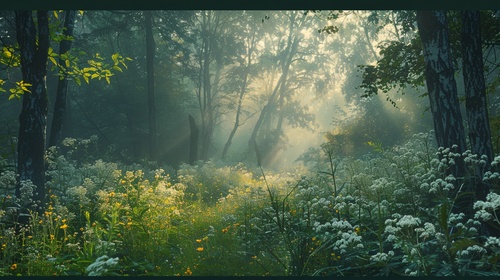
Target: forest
249,143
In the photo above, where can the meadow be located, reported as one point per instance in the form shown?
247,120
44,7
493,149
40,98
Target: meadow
388,213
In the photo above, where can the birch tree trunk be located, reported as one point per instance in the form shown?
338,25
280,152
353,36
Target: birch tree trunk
442,90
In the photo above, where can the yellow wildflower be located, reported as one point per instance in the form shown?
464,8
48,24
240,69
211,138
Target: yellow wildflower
198,240
64,226
188,272
199,249
13,266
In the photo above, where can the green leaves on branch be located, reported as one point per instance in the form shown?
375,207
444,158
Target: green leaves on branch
9,57
401,65
97,67
17,90
20,88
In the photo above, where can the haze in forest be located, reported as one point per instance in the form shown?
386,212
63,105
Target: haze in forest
297,74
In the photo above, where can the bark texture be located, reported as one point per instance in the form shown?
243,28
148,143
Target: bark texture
34,44
445,107
475,94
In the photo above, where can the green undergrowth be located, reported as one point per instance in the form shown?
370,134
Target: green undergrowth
389,213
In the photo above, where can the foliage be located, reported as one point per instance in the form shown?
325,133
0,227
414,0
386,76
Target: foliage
66,65
388,214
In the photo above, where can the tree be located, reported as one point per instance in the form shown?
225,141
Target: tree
440,80
288,57
244,76
150,54
33,39
475,97
442,91
62,87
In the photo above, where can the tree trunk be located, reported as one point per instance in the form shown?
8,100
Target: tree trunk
476,105
475,95
242,93
193,141
442,90
33,117
150,53
271,103
62,87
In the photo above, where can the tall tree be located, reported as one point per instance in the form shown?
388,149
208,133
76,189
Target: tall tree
62,86
33,38
475,96
442,90
250,48
288,56
285,59
150,68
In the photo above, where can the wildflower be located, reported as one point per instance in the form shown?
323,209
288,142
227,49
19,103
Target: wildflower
101,265
198,240
224,230
199,249
13,266
52,237
64,226
188,272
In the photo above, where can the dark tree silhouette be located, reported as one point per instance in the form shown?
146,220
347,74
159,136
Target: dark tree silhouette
33,38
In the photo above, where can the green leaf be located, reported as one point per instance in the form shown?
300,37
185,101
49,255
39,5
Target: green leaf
443,217
114,57
117,68
53,60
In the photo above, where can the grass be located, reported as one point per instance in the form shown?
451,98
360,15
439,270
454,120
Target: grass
387,214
